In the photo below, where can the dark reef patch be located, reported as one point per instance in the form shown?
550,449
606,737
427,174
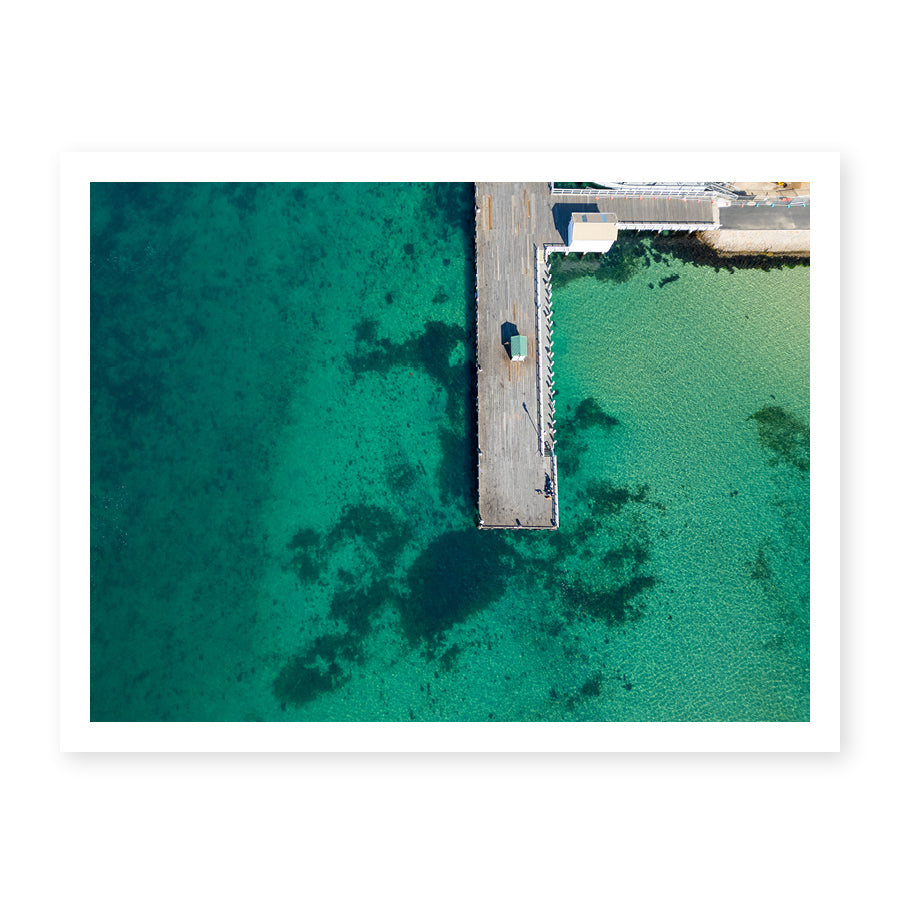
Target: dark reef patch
761,569
376,527
635,250
457,472
449,659
615,606
402,475
321,667
591,688
451,204
365,330
243,196
305,556
456,575
569,451
571,444
785,435
430,350
589,413
631,553
357,606
605,499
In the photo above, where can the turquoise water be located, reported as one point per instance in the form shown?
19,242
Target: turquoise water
283,486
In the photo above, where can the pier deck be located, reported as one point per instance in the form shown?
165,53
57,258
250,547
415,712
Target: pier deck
513,221
647,213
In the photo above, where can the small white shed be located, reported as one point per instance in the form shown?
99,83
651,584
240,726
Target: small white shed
592,232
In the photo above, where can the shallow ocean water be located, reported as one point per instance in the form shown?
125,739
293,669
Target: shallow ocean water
283,486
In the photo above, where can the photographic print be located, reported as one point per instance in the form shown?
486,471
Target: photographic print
450,452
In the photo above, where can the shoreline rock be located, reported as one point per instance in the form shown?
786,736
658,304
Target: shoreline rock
738,242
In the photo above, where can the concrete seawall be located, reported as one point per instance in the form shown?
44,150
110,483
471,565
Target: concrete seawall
738,242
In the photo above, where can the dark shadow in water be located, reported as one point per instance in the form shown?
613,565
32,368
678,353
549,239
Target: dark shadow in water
761,569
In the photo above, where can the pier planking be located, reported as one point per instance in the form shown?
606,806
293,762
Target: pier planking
513,222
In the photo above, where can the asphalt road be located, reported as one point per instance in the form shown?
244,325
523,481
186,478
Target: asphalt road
760,218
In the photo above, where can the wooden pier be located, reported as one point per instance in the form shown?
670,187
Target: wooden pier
517,224
516,462
642,213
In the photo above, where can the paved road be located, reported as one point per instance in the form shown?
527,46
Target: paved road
761,218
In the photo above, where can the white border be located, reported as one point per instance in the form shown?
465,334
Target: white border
77,733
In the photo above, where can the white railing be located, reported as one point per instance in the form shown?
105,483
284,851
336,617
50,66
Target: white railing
539,349
786,203
555,519
659,190
669,226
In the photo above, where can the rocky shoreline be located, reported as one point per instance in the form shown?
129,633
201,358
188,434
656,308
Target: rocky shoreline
737,242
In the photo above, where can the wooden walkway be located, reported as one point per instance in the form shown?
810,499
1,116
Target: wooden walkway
513,222
644,213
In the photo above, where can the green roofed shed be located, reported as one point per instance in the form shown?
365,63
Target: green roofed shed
518,345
